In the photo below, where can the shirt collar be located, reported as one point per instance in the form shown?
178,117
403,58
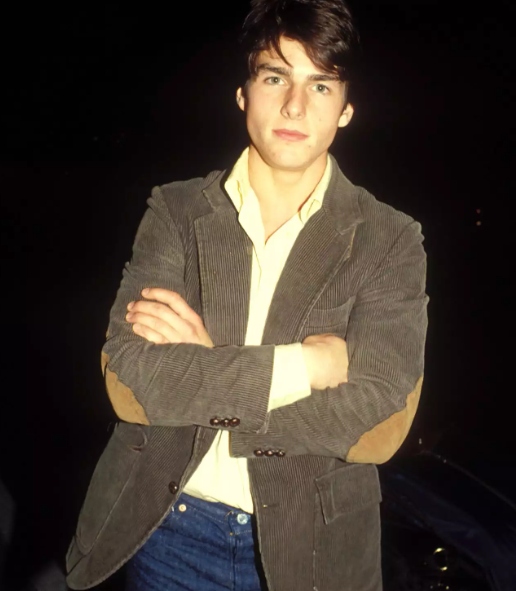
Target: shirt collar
239,189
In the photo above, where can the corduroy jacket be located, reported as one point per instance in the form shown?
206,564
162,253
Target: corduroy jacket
357,269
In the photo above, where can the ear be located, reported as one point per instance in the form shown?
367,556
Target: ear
240,98
345,118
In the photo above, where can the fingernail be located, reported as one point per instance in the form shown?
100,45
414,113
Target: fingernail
128,316
130,305
145,291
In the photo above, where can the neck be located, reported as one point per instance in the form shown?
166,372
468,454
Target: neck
283,190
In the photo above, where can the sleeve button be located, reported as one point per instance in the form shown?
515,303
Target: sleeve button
214,422
280,453
235,422
258,453
225,422
269,453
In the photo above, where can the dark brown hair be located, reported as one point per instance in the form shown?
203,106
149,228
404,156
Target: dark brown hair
325,28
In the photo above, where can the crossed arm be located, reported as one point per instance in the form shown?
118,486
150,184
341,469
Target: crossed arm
163,317
166,371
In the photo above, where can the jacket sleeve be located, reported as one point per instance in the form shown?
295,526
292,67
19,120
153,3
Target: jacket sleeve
366,419
179,384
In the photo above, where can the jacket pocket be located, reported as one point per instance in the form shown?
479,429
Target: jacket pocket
330,318
348,489
110,478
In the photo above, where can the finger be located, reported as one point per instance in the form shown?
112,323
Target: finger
163,313
154,308
150,335
174,301
156,325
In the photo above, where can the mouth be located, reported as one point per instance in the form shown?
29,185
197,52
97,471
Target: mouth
289,135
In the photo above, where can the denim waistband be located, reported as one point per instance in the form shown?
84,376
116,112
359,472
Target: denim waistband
214,510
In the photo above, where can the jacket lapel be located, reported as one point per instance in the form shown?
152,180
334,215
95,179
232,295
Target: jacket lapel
225,258
315,258
321,248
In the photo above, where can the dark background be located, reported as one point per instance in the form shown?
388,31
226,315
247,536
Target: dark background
100,102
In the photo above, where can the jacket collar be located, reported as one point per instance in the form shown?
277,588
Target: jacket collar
340,203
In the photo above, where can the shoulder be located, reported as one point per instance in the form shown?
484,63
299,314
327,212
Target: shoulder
190,186
379,227
373,209
386,235
190,190
185,200
381,219
352,205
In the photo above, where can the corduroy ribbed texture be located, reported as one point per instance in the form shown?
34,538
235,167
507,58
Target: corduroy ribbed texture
357,269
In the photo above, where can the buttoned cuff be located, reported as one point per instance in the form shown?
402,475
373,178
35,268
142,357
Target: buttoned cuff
289,376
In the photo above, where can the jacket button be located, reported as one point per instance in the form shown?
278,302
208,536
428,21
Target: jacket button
280,453
235,422
214,422
258,453
225,422
269,453
172,487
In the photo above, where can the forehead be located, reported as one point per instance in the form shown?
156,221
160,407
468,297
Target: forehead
294,56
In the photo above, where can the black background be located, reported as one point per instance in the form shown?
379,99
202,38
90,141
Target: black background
102,102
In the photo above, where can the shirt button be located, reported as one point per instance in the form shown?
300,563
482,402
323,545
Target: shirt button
242,518
172,487
182,507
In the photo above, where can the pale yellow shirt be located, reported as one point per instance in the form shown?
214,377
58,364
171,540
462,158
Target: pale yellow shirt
219,476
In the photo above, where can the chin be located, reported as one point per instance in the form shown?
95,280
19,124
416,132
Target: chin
289,162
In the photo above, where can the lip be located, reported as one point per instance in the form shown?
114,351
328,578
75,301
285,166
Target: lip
290,135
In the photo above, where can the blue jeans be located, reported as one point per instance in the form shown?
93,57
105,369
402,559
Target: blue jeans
200,546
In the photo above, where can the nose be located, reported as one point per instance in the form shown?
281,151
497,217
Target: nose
294,106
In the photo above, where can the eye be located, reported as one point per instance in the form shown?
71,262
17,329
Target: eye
273,80
322,88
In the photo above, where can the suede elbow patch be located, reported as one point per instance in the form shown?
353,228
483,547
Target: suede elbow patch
380,443
122,398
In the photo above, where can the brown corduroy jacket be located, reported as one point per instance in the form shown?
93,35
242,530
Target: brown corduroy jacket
357,269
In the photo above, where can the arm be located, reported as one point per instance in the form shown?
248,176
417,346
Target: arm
164,317
182,383
367,418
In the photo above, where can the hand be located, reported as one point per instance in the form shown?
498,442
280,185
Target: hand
164,317
326,358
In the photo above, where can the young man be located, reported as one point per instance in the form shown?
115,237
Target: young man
245,441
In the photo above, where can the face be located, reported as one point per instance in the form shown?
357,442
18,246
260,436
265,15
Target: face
292,111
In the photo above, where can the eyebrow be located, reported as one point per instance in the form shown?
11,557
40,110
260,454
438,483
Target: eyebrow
282,71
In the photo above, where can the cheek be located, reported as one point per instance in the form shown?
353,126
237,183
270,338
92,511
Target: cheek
326,126
257,118
325,134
